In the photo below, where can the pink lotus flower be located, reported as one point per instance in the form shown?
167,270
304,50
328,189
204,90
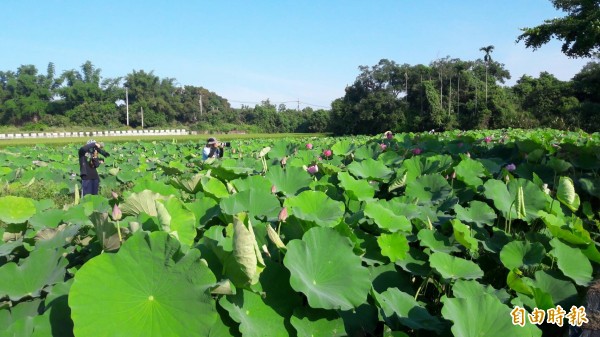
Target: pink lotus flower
309,146
114,195
283,214
511,167
487,139
327,153
389,135
383,146
313,169
320,158
116,213
417,151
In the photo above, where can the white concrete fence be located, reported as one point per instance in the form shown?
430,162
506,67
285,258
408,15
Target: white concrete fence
88,134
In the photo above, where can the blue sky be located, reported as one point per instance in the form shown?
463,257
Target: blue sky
248,51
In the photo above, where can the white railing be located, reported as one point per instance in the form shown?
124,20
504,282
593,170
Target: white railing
95,134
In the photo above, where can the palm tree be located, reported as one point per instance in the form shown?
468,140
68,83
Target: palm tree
487,58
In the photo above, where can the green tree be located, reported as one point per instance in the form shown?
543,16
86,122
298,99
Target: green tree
579,29
487,58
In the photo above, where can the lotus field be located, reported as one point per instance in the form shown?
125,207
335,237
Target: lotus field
447,234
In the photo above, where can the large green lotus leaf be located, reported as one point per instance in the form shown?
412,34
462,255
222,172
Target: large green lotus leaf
483,315
470,288
214,187
429,189
463,234
559,165
143,202
255,317
275,289
51,238
360,321
400,307
343,147
47,219
43,267
316,208
562,291
255,202
77,215
370,169
282,149
356,189
505,199
181,222
252,182
470,172
565,193
384,215
245,263
6,248
151,184
204,209
310,322
57,310
148,288
367,151
191,184
394,246
478,212
436,241
522,253
14,210
452,267
126,176
325,269
290,181
572,262
559,229
387,276
415,262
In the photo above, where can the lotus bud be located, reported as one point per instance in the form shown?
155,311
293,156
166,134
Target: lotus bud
135,226
309,146
273,189
116,213
507,178
389,135
327,153
283,161
446,177
283,214
383,147
233,151
454,175
511,167
468,154
416,151
487,139
313,169
320,158
114,195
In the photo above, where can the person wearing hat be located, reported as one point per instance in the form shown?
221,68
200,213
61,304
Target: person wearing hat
212,149
88,163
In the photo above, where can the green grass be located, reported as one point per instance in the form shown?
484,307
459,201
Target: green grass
116,139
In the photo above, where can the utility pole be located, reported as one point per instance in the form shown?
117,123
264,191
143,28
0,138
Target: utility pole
201,107
142,117
298,106
127,104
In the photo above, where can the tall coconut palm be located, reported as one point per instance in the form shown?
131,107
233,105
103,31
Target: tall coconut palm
487,58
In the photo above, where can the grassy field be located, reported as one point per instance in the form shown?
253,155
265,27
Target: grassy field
200,138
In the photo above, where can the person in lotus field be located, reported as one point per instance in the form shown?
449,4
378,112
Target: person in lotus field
213,148
88,163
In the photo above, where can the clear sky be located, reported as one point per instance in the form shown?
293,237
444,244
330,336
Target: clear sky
283,50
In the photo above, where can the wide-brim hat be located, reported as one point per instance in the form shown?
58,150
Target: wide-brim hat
211,141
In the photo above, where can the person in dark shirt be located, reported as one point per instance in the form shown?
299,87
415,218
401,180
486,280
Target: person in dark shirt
88,163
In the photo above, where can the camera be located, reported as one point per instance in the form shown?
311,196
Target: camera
101,151
225,144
